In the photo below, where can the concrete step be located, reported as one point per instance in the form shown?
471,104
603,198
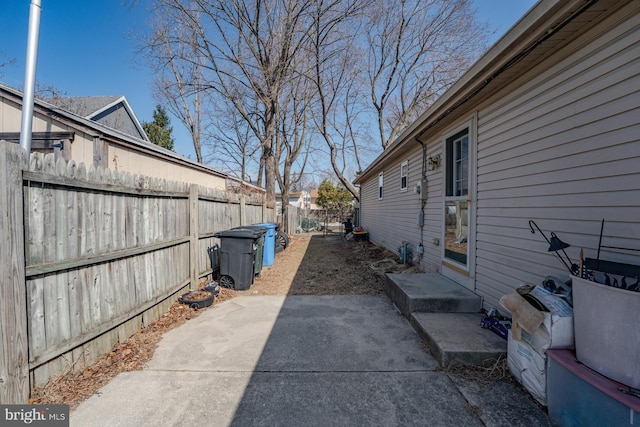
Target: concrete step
430,293
458,338
446,316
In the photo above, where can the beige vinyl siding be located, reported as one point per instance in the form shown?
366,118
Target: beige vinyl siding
561,146
434,211
394,219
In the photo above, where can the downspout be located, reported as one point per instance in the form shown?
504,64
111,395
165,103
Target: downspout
423,202
30,77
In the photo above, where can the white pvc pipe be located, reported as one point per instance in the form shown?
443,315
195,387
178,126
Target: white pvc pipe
30,77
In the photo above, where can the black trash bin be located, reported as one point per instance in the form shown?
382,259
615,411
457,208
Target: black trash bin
237,257
259,246
348,226
214,257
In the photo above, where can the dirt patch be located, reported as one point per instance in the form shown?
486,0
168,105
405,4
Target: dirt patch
312,264
324,265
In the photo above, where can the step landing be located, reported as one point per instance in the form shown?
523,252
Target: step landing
430,293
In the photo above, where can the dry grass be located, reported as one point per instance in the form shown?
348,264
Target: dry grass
490,370
322,265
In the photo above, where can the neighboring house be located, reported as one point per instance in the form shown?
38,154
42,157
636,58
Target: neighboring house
544,127
112,111
305,200
103,137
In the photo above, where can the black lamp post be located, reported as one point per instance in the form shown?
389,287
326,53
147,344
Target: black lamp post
555,245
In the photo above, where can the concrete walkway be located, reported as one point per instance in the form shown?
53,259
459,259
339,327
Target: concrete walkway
296,361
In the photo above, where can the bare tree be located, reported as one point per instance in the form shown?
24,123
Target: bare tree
360,62
54,95
417,49
181,90
400,55
337,109
170,48
247,48
335,73
293,136
5,63
231,145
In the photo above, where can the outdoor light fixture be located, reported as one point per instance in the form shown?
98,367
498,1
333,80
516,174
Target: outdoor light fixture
555,245
433,162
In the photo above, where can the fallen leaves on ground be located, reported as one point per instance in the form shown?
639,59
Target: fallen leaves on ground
130,355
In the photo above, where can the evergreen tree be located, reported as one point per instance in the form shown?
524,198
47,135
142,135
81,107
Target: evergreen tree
159,130
333,196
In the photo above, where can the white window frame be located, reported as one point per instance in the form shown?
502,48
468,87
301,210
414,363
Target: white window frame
467,269
380,186
404,175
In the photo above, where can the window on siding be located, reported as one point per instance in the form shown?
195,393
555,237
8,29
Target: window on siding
404,171
458,164
380,185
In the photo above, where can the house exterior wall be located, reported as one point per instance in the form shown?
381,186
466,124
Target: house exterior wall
559,145
394,219
143,164
11,117
121,156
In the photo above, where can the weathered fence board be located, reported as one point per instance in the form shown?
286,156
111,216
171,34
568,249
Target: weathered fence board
14,374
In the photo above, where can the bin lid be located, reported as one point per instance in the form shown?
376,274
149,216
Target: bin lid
271,225
259,228
240,233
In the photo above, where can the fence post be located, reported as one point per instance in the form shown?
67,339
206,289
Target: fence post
243,210
14,347
193,232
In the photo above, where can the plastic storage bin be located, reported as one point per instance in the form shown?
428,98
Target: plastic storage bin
606,329
237,257
580,397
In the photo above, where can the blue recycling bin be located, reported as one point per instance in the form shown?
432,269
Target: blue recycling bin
269,253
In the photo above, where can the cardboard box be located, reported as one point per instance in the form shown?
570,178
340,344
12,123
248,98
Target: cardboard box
528,367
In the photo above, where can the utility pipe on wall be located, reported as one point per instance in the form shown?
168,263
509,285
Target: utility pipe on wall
30,77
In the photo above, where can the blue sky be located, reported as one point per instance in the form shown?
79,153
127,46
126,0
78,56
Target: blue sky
86,48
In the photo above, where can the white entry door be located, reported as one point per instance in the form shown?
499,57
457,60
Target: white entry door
458,246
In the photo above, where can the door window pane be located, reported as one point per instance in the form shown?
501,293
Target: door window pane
456,230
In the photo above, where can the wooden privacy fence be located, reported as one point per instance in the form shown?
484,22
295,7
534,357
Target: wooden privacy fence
90,256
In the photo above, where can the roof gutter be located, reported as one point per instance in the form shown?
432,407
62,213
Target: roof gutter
30,77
